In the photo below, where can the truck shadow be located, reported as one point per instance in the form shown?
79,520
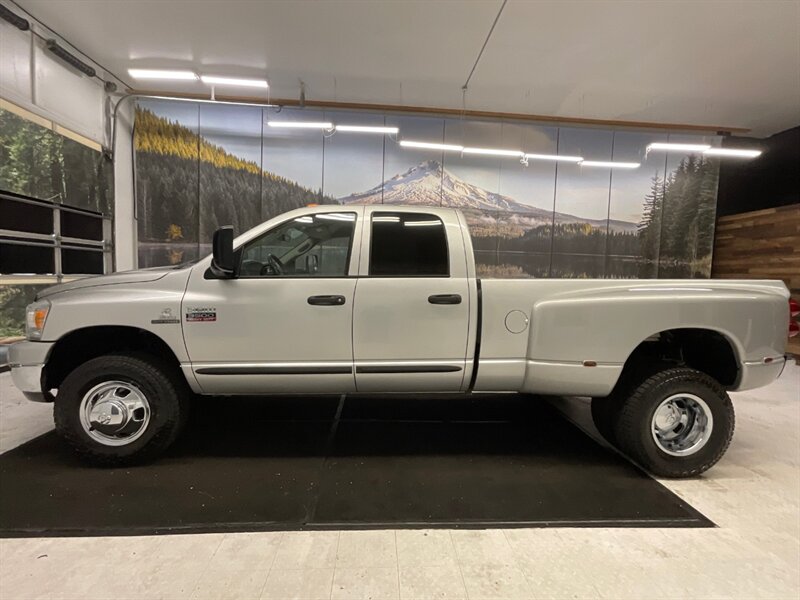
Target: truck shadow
383,425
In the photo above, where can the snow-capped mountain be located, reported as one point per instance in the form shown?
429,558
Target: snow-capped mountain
428,183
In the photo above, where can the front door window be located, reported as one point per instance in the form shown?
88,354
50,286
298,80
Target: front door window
308,246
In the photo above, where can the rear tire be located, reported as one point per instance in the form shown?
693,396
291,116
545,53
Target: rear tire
120,409
604,415
675,423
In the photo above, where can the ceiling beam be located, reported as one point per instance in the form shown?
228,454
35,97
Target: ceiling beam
457,112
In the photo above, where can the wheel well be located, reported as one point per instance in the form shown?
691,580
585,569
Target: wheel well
703,349
82,345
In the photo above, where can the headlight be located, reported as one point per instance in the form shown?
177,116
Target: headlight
35,317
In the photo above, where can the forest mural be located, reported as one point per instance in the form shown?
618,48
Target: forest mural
187,187
201,166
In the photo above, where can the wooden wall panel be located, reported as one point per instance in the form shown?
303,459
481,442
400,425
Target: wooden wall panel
764,244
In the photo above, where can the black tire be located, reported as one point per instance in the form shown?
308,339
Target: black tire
604,415
166,395
634,422
605,411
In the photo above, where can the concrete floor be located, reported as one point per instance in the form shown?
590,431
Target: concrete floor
753,495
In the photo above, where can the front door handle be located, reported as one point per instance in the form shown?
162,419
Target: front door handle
445,299
326,300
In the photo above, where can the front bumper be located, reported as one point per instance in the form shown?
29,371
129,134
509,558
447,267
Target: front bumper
27,360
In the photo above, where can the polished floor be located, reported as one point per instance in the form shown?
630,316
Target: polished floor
753,496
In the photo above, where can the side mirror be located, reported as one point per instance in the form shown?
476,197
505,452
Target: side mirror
222,263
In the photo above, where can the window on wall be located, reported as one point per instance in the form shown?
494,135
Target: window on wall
56,202
308,246
408,245
39,158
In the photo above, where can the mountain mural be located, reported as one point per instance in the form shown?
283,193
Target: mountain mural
429,183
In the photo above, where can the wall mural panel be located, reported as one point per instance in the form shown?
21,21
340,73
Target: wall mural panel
229,191
167,151
353,161
199,166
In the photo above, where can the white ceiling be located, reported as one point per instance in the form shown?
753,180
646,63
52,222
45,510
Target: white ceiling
727,63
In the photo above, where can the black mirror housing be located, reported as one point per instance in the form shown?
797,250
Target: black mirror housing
222,262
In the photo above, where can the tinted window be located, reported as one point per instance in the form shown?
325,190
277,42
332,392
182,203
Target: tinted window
308,246
408,245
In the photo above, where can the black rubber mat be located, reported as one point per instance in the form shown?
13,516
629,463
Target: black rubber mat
314,463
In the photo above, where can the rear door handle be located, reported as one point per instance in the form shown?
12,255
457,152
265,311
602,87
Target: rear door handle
326,300
445,299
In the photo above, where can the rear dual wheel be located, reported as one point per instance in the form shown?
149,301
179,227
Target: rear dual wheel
677,422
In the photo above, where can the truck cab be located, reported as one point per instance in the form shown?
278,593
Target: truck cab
367,298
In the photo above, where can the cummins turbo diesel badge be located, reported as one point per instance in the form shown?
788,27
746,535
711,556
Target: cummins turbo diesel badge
165,318
201,314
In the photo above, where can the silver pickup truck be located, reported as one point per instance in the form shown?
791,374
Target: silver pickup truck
377,299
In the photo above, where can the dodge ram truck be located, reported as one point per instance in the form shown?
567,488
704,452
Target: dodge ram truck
385,299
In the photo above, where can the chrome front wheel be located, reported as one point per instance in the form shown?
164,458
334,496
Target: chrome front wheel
120,409
114,413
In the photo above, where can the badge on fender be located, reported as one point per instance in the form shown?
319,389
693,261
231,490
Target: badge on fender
202,314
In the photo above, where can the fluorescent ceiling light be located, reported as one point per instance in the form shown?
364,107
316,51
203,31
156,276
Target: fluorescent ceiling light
366,129
214,80
678,147
421,223
493,152
301,124
733,152
431,146
160,74
560,157
609,164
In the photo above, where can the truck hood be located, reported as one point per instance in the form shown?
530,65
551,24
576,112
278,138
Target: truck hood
140,276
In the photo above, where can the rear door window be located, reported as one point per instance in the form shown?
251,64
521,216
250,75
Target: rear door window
408,245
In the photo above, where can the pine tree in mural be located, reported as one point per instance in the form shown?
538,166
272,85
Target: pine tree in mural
677,229
650,227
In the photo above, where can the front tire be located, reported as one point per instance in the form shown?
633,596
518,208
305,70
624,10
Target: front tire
676,423
120,409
